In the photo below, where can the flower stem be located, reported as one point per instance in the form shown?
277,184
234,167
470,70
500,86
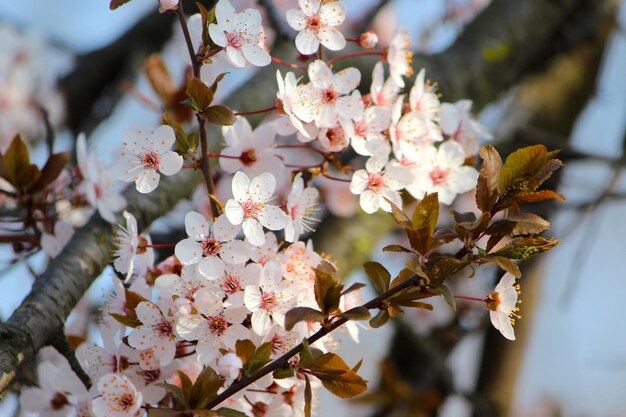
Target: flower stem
248,113
464,297
287,64
353,55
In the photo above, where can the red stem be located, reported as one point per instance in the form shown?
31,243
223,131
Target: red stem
248,113
330,177
464,297
353,55
287,64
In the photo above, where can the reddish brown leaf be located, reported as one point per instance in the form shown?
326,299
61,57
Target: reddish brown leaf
488,189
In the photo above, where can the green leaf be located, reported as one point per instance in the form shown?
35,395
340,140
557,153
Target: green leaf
283,373
426,213
308,354
298,314
378,275
396,248
327,288
337,377
219,115
217,81
522,165
488,187
403,275
205,388
357,313
117,3
259,358
244,349
354,287
200,94
379,319
229,412
508,265
399,217
176,392
308,397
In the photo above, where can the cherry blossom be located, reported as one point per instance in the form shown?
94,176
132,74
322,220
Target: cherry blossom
59,393
367,127
327,97
399,57
267,251
240,34
379,181
287,99
269,300
229,366
459,125
297,264
317,22
119,397
156,331
53,243
211,244
442,171
250,206
367,40
181,288
100,188
165,5
254,149
408,132
502,305
383,92
423,96
215,327
132,252
235,279
301,203
147,154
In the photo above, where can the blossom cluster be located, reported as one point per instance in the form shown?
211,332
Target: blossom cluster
235,275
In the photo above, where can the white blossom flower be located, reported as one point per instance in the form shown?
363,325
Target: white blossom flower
458,124
287,99
182,289
269,300
255,150
327,97
333,139
442,171
59,393
132,252
301,203
502,305
240,34
145,155
229,366
367,127
53,243
347,302
119,397
399,57
101,189
383,92
250,206
408,133
234,281
423,96
211,244
317,22
380,180
215,326
156,331
267,251
297,264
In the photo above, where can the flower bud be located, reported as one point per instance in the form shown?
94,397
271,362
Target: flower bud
167,5
367,40
229,365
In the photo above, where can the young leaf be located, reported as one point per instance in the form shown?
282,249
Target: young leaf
16,166
219,115
399,217
524,248
488,188
337,377
117,3
327,287
379,319
426,213
176,392
127,321
357,313
538,196
159,77
259,358
50,171
522,165
229,412
298,314
528,223
164,412
354,287
200,94
396,248
205,388
379,276
308,397
446,294
244,349
508,265
283,373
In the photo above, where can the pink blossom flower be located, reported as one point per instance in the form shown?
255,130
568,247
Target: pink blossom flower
327,97
240,34
147,154
254,149
250,206
132,252
502,305
211,244
317,22
156,331
384,92
287,99
119,397
399,57
367,128
459,125
301,203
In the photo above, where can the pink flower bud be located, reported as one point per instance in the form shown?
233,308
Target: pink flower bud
167,5
367,40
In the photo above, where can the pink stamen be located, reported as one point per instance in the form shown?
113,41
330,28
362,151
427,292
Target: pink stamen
375,182
151,160
438,176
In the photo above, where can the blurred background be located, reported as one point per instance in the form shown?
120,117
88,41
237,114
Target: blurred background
537,71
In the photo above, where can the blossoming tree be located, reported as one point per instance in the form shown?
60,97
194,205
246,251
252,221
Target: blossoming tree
239,320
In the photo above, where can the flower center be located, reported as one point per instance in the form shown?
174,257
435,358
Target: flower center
375,182
268,301
217,325
126,401
314,23
360,129
248,157
210,247
142,245
234,39
231,284
438,176
152,375
278,344
250,209
59,401
493,301
151,160
164,329
330,96
336,137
